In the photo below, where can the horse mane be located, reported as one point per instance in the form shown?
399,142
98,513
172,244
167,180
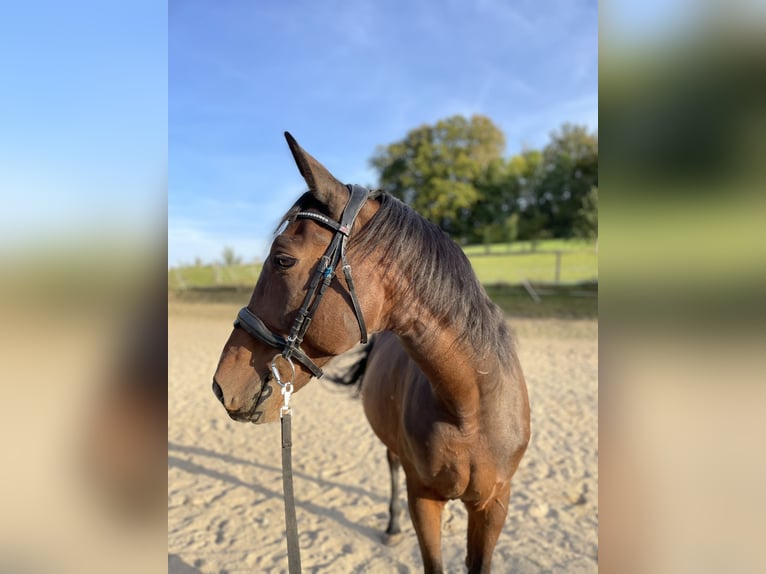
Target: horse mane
437,271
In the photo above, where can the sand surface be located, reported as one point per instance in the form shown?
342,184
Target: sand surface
225,510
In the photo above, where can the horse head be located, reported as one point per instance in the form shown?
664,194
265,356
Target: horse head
303,310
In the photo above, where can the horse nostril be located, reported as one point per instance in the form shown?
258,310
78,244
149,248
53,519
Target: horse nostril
217,390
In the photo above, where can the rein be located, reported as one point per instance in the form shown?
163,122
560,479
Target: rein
290,345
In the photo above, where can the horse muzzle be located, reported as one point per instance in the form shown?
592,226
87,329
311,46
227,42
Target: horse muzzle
257,410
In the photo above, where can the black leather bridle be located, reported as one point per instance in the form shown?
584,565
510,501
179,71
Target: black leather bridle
325,271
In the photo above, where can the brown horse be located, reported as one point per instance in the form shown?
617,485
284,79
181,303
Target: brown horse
443,388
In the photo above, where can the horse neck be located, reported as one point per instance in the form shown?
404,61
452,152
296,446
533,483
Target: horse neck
460,380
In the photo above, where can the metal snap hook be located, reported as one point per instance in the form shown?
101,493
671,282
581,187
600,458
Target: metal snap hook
287,386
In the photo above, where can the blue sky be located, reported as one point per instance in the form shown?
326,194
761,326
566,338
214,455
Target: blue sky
345,76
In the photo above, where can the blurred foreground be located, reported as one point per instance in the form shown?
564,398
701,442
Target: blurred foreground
83,424
683,137
83,163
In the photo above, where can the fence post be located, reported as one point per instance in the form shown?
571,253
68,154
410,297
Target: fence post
558,267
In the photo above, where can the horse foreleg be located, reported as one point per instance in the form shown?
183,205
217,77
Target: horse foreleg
426,514
395,506
484,526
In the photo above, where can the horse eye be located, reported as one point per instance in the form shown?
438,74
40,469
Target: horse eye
284,261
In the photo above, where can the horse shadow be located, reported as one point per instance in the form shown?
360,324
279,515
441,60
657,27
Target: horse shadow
190,467
176,565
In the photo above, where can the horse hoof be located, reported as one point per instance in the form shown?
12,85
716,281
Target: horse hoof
392,539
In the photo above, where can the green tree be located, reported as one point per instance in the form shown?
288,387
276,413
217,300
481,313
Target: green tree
587,224
569,172
504,193
453,173
439,170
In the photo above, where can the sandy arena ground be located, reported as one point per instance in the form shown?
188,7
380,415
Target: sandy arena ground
225,512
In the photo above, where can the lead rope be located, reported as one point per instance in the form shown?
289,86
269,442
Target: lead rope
336,251
285,414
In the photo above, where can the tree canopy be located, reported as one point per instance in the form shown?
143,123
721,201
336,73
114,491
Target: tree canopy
435,169
454,174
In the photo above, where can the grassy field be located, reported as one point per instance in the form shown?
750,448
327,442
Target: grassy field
536,267
503,264
502,271
204,276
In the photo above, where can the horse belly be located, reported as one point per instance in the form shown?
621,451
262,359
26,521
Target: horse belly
382,388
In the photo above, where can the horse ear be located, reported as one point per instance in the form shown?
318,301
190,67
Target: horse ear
321,182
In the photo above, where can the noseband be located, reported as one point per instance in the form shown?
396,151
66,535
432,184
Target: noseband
323,276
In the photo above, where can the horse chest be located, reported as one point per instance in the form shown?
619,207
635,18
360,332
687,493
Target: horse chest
447,462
